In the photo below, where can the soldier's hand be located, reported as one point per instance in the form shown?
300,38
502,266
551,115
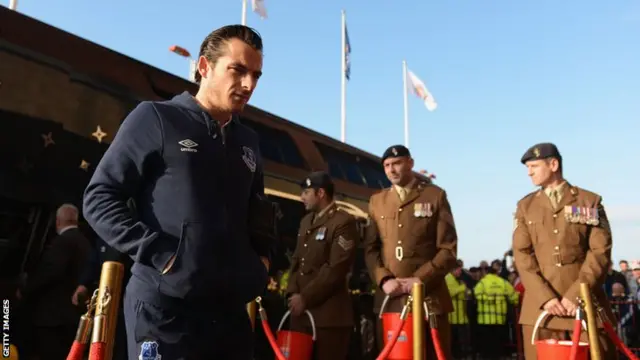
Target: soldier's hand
392,287
554,307
296,304
570,306
407,284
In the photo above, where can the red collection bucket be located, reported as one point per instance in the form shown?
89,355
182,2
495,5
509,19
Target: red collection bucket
295,345
403,348
551,349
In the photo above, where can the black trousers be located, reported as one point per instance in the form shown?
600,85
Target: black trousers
184,333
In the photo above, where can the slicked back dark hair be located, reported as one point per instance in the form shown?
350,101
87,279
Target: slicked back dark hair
213,45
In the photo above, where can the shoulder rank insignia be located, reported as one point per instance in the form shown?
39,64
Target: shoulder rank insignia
345,244
321,234
582,215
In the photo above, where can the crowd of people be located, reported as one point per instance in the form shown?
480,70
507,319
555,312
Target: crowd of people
499,282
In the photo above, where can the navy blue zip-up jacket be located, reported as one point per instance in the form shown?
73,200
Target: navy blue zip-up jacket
192,182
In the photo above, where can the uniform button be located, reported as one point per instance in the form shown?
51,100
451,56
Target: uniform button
555,216
301,273
381,216
555,231
305,245
399,241
302,259
399,225
400,210
530,222
557,247
308,232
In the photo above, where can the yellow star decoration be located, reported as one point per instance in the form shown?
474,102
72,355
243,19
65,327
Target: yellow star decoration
84,165
99,134
48,139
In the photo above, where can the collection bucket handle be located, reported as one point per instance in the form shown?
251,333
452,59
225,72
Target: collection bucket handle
313,322
386,300
543,315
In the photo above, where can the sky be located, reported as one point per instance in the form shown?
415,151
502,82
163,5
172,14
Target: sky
506,75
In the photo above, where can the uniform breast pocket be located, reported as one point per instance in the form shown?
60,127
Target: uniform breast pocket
535,226
386,223
420,225
576,233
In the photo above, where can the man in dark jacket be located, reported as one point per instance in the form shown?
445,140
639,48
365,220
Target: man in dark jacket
194,172
51,284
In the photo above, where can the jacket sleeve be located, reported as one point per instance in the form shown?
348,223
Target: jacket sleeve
596,264
333,274
257,189
527,264
51,268
455,287
373,249
90,275
292,284
120,175
433,272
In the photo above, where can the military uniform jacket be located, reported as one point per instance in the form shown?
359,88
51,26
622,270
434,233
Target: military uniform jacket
412,238
324,255
555,249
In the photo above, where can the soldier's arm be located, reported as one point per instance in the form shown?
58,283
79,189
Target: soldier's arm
373,249
595,266
434,271
527,264
292,286
333,274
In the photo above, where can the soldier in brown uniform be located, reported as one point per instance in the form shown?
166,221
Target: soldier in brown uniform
411,238
561,238
324,255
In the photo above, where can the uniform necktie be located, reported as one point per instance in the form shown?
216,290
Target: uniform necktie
554,198
402,193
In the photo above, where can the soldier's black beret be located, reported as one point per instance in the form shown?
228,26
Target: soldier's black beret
541,151
317,180
395,151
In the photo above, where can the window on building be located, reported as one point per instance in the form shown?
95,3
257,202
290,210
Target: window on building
277,145
352,168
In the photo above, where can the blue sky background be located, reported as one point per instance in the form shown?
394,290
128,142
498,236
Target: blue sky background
506,75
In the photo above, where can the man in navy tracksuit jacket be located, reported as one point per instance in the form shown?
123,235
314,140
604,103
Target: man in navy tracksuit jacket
192,169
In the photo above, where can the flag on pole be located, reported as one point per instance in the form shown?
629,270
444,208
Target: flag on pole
258,7
347,54
420,89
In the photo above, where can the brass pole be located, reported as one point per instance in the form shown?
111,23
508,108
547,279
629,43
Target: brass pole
417,292
110,289
592,325
251,309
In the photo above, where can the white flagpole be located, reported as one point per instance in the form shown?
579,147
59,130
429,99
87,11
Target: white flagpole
343,79
13,4
406,104
244,12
